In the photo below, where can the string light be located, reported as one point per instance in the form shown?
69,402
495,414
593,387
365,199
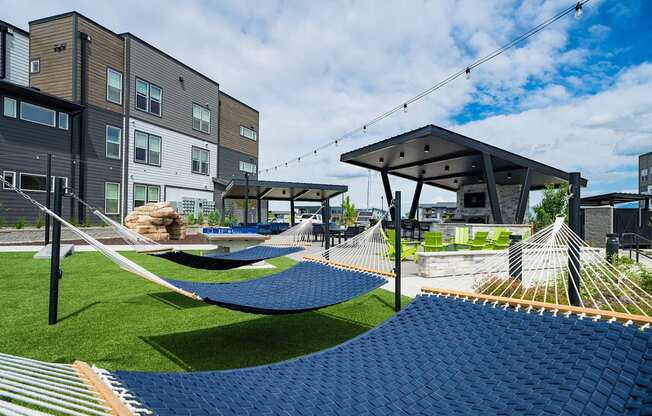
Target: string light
577,8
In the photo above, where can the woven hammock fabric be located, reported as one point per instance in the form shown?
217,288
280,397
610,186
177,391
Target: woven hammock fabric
303,287
226,261
440,356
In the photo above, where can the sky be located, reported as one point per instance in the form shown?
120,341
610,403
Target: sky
577,96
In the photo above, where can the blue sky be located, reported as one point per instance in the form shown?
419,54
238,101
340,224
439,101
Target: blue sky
577,96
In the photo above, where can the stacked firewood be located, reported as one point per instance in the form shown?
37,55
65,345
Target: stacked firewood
157,221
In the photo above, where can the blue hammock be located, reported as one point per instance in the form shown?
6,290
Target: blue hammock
226,261
438,357
303,287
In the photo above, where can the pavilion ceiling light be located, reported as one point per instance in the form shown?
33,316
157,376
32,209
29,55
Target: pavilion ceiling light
447,167
401,155
509,176
423,172
474,165
455,181
426,148
381,160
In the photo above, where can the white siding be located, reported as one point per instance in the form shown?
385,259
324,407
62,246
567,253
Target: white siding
176,163
17,58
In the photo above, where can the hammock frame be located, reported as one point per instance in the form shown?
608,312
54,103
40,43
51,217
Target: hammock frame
643,321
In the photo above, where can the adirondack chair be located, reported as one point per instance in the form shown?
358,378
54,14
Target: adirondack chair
407,249
479,240
461,238
500,240
432,241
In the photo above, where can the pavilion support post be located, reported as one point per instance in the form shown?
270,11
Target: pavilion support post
492,191
415,200
291,208
516,257
524,197
258,210
223,208
574,283
55,252
388,191
246,203
397,252
326,223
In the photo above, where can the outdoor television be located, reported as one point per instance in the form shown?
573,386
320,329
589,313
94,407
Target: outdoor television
474,200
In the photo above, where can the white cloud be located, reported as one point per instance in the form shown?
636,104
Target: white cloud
316,70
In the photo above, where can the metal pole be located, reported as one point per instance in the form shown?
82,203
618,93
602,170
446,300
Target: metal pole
397,251
327,219
573,247
292,209
515,257
246,204
48,192
55,251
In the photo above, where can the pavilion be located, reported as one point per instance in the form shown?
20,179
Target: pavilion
437,157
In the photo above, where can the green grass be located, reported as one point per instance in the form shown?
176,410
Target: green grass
116,320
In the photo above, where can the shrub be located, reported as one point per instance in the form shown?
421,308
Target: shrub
200,218
39,222
20,224
230,220
190,220
214,218
87,222
73,221
2,222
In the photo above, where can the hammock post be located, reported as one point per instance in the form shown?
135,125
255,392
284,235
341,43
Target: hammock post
55,271
326,223
48,196
574,265
397,251
516,257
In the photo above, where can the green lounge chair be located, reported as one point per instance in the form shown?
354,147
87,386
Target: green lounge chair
407,249
461,238
479,240
500,240
433,241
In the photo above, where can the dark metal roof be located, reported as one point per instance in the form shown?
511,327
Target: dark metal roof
613,198
283,191
37,97
448,160
14,28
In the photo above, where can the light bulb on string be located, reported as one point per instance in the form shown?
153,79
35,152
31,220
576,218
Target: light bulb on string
578,10
468,72
364,128
405,108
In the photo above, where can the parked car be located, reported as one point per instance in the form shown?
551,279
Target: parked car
316,218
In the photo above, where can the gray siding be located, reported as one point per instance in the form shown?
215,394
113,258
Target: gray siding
24,147
229,166
98,168
17,58
645,182
177,98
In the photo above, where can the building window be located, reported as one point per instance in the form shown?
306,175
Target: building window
113,86
63,121
53,180
155,94
201,118
9,177
9,107
32,182
145,194
248,133
147,148
111,198
35,66
142,95
148,97
643,175
247,167
38,114
200,159
113,142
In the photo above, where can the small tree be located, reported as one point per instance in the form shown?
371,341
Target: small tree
348,211
551,206
214,218
200,218
190,220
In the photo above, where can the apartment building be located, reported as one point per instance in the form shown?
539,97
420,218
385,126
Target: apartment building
645,173
149,127
14,54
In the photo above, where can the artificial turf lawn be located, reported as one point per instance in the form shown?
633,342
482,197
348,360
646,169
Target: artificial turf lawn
116,320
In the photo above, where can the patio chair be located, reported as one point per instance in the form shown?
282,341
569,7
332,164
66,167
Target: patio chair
407,249
479,240
461,239
500,240
433,241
